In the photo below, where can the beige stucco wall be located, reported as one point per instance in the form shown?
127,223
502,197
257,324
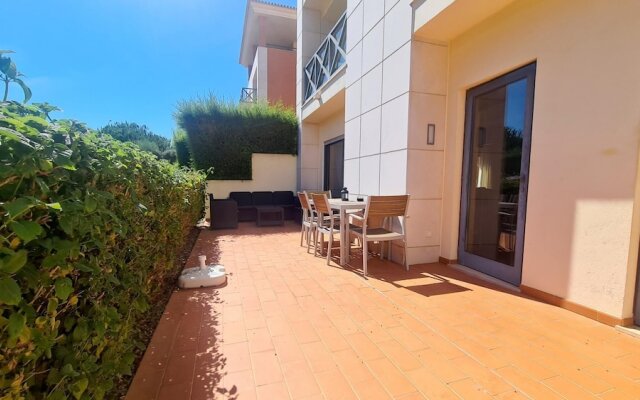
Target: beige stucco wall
270,172
313,139
581,233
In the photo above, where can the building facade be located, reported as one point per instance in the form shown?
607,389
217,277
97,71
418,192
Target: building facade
513,125
269,54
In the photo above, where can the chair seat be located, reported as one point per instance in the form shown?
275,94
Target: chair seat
326,228
375,234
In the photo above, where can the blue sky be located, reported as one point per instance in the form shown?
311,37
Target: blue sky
125,60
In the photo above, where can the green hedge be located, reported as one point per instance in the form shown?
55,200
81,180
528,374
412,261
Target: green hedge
181,143
223,135
89,231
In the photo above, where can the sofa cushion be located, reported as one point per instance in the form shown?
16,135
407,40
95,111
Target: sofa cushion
283,198
243,199
262,198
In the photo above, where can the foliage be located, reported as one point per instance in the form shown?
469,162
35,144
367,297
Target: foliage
9,74
223,135
181,144
89,231
47,108
142,136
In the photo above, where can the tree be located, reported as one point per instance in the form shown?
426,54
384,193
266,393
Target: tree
9,74
142,136
47,108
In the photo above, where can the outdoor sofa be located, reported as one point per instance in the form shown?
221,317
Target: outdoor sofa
243,206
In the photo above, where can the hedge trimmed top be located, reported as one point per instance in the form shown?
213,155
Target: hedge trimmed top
223,135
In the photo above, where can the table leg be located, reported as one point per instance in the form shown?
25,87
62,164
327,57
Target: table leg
344,226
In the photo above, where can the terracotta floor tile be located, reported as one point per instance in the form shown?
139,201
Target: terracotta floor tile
272,391
304,331
333,340
208,373
146,384
236,357
468,389
511,395
352,367
390,377
287,349
266,368
526,385
259,340
568,389
490,380
618,382
430,386
254,319
374,331
234,332
175,391
443,369
370,389
300,380
399,356
364,347
278,326
334,386
286,324
318,356
180,368
616,394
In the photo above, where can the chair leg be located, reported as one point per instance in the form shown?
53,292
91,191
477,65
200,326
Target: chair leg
302,232
315,242
309,231
365,255
329,248
381,250
404,256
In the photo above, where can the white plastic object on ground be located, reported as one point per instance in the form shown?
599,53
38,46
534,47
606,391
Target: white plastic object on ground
202,276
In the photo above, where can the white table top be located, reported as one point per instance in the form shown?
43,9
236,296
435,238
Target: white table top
338,204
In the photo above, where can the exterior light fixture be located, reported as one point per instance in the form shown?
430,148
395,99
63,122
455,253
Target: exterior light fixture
431,134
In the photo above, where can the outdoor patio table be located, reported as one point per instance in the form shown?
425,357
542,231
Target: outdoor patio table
343,206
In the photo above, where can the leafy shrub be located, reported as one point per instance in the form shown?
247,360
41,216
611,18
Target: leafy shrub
223,135
181,144
142,136
89,231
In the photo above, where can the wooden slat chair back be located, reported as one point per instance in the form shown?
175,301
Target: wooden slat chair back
386,206
327,223
377,223
325,192
308,221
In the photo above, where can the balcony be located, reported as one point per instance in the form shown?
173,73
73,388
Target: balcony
327,60
249,95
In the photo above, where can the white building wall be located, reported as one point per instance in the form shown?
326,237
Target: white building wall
386,120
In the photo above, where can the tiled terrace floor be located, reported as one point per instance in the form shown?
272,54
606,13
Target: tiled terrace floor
289,326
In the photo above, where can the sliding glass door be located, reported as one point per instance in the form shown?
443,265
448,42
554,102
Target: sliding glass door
334,166
495,172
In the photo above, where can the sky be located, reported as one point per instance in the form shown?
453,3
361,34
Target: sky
125,60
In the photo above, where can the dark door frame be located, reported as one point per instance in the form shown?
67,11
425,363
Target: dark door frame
325,164
513,274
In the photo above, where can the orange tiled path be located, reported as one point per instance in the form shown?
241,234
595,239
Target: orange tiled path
289,326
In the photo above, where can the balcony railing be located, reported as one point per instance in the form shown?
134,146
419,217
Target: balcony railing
249,95
327,60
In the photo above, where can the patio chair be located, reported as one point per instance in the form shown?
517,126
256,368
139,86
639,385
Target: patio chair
327,223
386,208
308,220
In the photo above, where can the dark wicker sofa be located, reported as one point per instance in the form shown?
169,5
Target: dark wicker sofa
247,202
